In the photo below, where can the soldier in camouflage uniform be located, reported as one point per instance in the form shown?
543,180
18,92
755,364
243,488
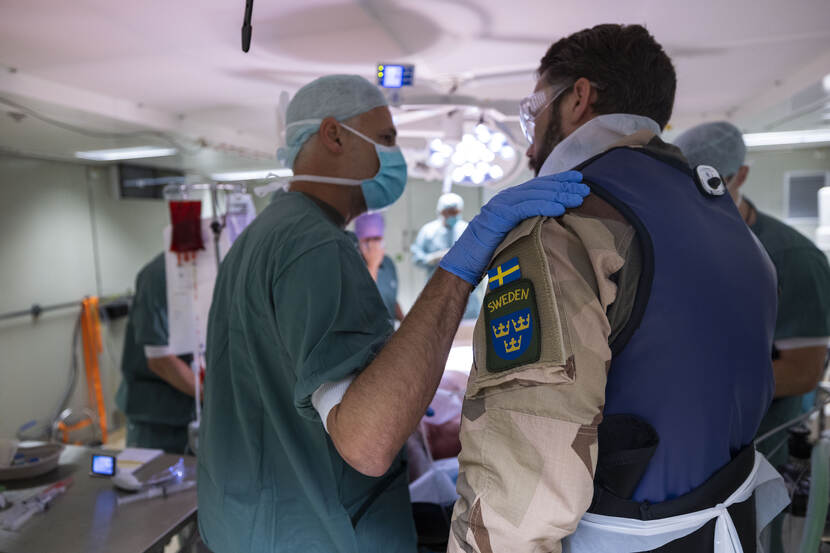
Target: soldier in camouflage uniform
560,292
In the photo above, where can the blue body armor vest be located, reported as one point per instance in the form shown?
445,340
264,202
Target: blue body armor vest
694,360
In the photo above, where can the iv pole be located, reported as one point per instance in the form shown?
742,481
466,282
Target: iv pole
216,227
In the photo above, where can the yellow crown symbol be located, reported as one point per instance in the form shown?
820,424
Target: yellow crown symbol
515,345
521,324
502,330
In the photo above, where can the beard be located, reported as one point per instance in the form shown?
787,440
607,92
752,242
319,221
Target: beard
553,136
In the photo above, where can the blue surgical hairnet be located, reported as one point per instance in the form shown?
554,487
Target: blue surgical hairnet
450,201
719,144
338,96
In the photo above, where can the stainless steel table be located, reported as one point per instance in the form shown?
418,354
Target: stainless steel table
86,518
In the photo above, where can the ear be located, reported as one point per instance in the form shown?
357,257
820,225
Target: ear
734,183
331,135
740,177
578,108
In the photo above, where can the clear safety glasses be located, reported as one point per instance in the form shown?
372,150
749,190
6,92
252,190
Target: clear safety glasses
532,106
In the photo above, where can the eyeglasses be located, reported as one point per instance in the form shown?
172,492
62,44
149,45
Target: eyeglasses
531,107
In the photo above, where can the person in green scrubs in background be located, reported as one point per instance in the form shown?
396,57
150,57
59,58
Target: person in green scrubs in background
369,229
308,400
157,389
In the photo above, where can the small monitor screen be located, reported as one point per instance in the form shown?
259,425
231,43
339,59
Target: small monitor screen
393,76
103,465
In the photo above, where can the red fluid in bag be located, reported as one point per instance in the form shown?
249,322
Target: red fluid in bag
186,218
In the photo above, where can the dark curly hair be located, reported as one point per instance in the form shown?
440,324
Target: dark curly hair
632,72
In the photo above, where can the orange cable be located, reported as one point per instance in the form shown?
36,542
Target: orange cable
93,346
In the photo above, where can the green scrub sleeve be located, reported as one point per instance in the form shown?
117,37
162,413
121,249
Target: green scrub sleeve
150,306
330,317
804,303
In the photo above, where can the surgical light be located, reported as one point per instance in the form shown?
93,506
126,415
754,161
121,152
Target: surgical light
496,172
474,157
251,175
483,133
137,152
437,159
497,142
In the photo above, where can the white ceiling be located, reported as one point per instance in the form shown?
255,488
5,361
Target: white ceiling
178,66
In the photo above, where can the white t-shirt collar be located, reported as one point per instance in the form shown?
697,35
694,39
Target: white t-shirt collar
594,137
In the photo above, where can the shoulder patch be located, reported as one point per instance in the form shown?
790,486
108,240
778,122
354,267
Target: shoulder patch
507,272
512,324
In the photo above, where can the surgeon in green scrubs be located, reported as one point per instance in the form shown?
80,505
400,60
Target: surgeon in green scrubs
369,229
308,400
157,389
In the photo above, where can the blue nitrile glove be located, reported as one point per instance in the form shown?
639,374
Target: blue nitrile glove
546,196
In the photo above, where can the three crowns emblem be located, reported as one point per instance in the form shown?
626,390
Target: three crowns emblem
502,330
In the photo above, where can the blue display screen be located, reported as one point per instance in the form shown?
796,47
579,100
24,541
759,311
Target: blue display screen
103,465
395,76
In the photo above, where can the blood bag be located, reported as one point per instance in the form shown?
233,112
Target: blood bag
185,217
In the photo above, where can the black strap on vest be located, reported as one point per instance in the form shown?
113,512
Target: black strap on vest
626,446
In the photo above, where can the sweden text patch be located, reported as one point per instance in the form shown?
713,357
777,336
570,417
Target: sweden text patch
512,323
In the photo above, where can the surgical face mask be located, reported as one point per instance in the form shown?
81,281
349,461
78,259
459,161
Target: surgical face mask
385,187
451,220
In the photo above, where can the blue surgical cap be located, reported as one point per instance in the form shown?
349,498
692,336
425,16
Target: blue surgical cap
719,144
369,225
450,201
338,96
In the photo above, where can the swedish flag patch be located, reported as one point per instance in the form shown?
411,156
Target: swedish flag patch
505,273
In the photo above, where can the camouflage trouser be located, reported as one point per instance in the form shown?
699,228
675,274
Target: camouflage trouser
529,432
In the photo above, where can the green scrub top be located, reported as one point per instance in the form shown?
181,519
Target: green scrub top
143,396
294,307
388,284
803,310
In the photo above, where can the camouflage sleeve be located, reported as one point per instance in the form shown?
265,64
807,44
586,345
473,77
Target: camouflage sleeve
536,391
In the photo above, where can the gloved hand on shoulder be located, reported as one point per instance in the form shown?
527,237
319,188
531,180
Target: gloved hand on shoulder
547,196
